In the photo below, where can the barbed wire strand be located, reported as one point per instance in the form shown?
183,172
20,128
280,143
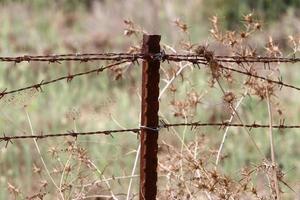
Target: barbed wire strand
163,125
279,82
8,139
235,59
247,73
67,77
85,57
226,124
195,59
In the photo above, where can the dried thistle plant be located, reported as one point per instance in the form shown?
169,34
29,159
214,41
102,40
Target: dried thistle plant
181,25
273,49
13,190
182,169
73,114
132,28
188,176
74,172
295,43
186,108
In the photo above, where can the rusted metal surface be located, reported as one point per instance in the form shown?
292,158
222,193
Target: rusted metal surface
149,118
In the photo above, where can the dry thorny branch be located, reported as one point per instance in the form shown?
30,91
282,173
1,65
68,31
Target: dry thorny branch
201,181
261,78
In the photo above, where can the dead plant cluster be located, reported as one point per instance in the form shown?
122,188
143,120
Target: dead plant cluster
191,174
72,173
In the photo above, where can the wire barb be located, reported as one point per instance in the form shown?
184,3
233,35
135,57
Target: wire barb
162,56
163,125
226,124
58,58
232,59
69,78
8,139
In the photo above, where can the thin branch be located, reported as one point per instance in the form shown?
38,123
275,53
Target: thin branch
106,182
227,129
172,79
271,137
41,157
133,171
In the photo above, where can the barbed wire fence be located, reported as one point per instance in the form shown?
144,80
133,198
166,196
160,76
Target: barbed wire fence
151,57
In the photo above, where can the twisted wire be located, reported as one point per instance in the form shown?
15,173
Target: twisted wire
69,133
84,57
279,82
247,73
226,124
230,59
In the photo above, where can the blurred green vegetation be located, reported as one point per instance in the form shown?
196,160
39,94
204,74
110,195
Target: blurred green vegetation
66,5
267,10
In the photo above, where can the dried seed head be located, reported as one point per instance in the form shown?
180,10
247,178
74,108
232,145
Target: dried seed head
244,34
172,88
214,175
129,32
130,29
134,49
214,19
253,190
73,114
186,45
209,55
215,29
249,18
257,26
117,72
194,98
180,108
53,151
68,168
37,169
44,183
199,49
272,49
229,97
13,190
228,76
128,22
181,25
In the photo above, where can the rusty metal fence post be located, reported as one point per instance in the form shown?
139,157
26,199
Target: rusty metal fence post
149,118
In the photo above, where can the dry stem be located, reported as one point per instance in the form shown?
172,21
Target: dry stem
272,146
